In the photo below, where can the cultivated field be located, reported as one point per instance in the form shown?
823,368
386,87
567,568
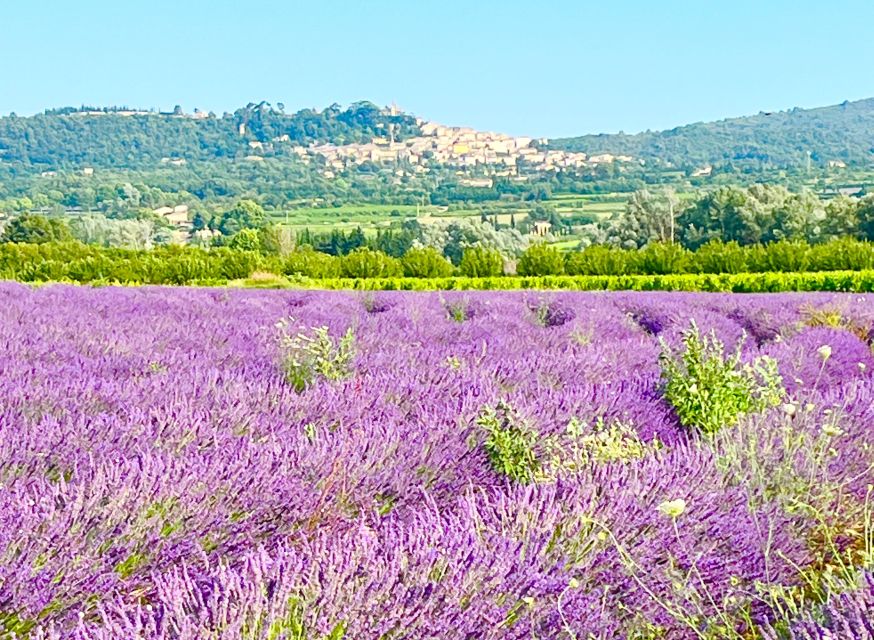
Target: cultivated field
371,217
213,463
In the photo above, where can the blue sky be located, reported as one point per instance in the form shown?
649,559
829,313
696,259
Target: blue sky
546,67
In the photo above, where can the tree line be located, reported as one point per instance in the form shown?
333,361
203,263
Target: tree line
74,261
760,213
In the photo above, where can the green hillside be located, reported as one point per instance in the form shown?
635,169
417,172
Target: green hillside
842,132
107,138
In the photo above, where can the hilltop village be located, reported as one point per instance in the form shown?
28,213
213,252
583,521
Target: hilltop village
496,154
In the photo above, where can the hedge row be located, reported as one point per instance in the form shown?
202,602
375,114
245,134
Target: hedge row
840,281
73,262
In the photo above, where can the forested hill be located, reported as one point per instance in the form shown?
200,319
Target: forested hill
117,138
842,132
69,138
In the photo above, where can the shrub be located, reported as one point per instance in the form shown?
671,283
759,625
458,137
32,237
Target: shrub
708,390
783,256
720,257
509,444
235,264
425,262
245,240
540,260
307,356
843,253
662,258
366,263
305,261
598,260
481,262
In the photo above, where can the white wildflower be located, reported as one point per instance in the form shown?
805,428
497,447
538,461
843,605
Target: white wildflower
673,508
831,430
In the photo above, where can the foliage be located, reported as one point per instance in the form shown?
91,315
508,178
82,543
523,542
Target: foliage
425,262
247,214
648,217
598,260
716,256
509,443
366,263
865,218
310,355
480,262
452,237
540,260
662,258
108,232
245,240
35,229
75,262
305,261
582,445
710,391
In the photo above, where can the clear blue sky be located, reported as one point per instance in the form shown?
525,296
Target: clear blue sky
541,67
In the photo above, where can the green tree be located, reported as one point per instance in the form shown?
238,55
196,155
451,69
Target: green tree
719,215
540,260
841,217
245,240
480,262
366,263
663,258
799,217
305,261
36,229
717,256
598,260
201,220
649,216
425,262
276,240
247,214
865,215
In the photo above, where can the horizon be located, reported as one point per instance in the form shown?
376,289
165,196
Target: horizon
545,70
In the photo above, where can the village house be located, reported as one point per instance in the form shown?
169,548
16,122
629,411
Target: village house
174,215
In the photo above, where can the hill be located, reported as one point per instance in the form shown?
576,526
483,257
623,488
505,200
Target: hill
125,139
843,132
122,138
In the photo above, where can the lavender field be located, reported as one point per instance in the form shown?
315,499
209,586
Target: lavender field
221,464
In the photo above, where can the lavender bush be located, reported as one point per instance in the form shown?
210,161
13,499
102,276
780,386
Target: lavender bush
470,469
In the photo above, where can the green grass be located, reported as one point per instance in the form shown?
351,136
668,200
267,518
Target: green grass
346,214
566,245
